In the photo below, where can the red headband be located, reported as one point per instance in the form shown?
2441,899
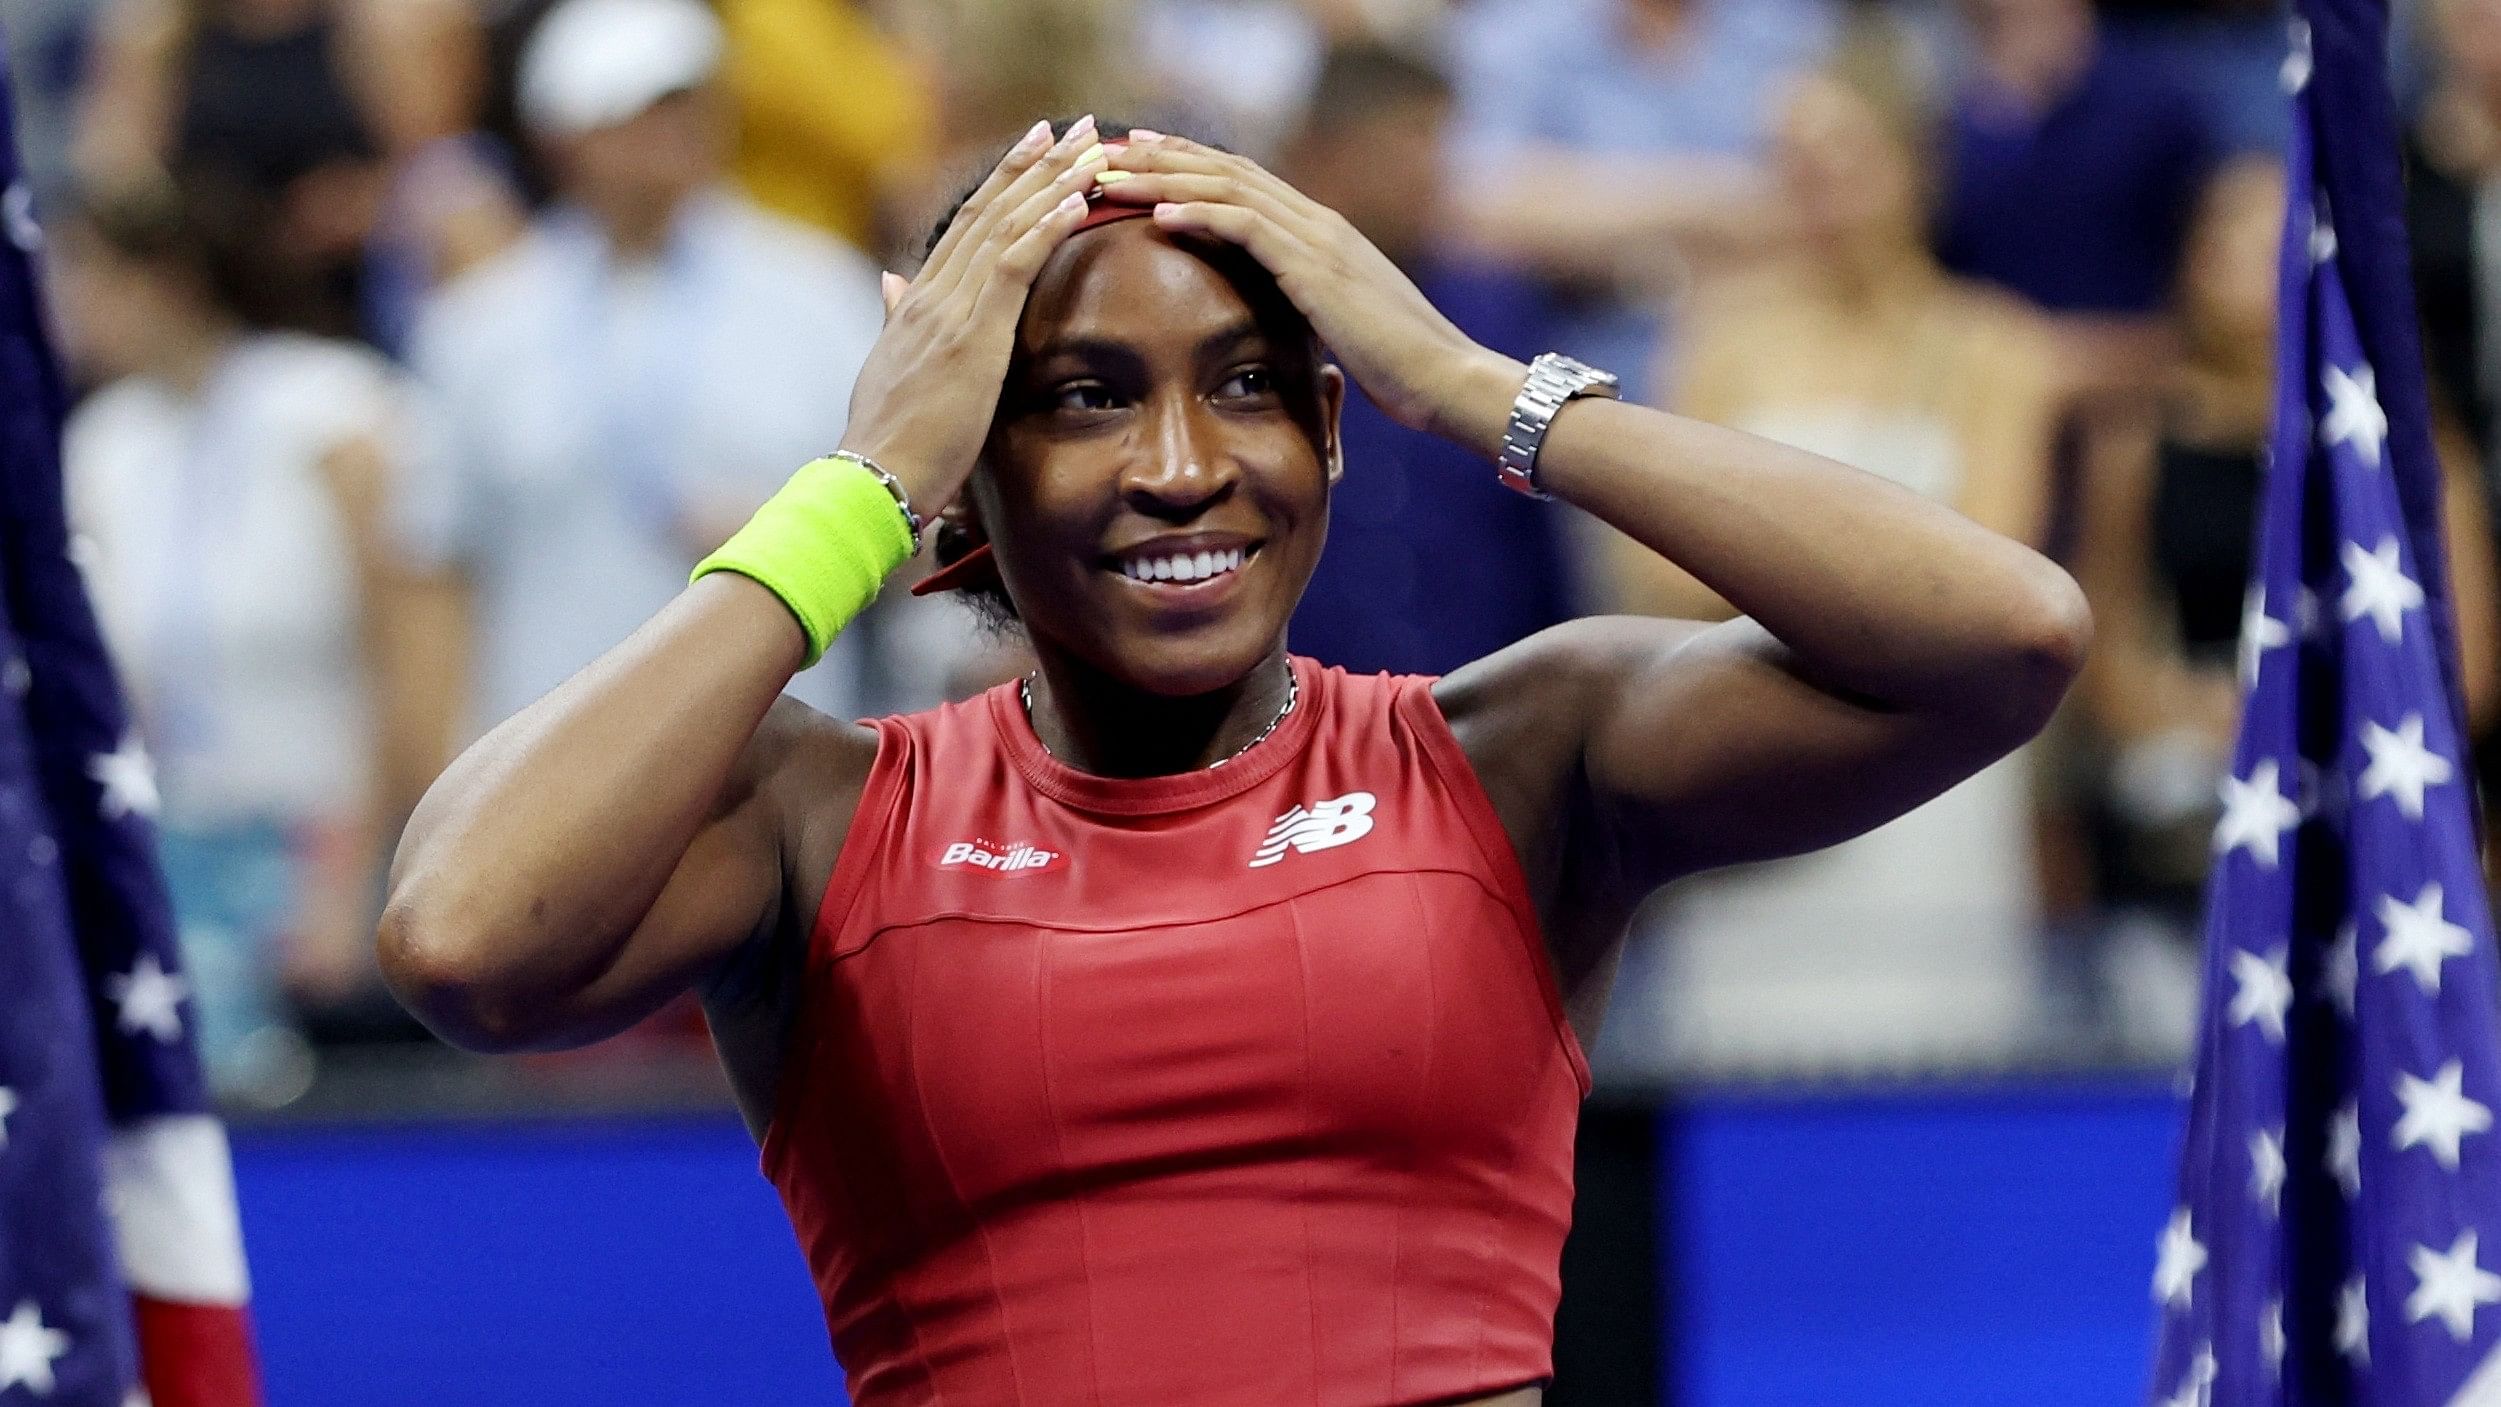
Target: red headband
964,570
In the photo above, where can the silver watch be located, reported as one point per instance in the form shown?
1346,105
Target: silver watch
1552,380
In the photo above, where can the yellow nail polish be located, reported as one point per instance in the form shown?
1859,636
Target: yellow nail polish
1110,178
1090,155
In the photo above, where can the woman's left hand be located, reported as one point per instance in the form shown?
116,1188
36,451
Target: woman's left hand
1414,363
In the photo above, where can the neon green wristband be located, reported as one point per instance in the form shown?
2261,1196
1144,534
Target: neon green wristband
823,544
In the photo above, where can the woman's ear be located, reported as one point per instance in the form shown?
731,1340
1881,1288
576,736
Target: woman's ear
1332,408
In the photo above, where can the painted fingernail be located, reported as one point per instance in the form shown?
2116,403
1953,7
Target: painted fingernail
1035,139
1112,178
1082,129
1076,201
1090,155
1140,134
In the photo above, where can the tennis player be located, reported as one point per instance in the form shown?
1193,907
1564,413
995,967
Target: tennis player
1187,1023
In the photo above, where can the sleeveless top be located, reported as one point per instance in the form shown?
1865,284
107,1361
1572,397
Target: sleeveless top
2205,504
1250,1085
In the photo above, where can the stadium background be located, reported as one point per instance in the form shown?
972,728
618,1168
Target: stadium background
1947,1193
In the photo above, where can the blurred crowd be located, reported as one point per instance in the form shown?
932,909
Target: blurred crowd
423,344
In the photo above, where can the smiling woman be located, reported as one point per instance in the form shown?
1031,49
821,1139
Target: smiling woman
1188,1022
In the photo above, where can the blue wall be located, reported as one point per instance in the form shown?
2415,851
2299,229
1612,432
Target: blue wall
1940,1247
1984,1246
542,1265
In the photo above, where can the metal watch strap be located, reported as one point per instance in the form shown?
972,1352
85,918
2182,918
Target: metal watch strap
1553,380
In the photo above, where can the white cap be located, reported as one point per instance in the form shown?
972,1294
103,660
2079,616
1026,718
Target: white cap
596,63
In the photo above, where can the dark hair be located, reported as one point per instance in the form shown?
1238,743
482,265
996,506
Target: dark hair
952,540
205,227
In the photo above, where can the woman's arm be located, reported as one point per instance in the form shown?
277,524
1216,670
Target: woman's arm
615,842
126,106
600,851
1888,647
1891,646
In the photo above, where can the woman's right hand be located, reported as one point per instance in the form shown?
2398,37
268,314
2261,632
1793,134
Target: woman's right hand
924,401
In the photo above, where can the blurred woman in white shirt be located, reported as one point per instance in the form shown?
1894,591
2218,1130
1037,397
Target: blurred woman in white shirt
226,482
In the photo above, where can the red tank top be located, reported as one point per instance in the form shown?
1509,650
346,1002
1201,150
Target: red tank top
1245,1086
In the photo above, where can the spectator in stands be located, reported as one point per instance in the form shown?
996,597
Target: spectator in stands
1613,145
1430,563
834,120
621,388
2454,161
348,120
229,481
2071,164
2170,504
1862,349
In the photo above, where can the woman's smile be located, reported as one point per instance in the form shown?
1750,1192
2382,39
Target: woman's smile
1195,572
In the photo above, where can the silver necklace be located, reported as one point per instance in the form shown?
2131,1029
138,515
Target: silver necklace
1293,695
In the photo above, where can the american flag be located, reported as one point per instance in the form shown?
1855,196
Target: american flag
2337,1237
121,1261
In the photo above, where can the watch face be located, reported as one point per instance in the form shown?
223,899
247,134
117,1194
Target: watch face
1576,370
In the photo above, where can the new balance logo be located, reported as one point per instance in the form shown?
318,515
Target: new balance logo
1000,859
1323,825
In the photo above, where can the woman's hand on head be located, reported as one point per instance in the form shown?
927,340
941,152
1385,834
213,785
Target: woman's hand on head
924,400
1414,363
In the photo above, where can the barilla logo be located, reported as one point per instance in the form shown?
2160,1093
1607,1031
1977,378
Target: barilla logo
1000,859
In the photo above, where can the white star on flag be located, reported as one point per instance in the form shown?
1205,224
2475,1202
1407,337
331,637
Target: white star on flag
2353,1321
2420,938
2177,1261
2450,1285
2309,622
2379,588
2295,73
2271,1335
2266,1170
17,676
2354,415
27,1349
2322,234
129,780
2256,813
2320,793
2340,968
8,1106
150,999
2344,1149
2259,633
2197,1387
2401,766
2438,1114
2265,991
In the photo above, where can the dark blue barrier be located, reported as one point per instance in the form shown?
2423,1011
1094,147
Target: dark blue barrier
1942,1247
1971,1247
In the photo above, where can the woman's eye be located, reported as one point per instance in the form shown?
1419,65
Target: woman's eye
1251,382
1082,396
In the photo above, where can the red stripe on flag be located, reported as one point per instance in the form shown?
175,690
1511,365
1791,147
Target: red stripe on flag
196,1355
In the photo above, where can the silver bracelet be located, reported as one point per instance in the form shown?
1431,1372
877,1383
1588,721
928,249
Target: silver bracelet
912,521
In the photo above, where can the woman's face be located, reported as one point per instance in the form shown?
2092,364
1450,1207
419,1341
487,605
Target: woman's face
1156,485
1845,174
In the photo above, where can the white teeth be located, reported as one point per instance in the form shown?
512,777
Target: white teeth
1185,566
